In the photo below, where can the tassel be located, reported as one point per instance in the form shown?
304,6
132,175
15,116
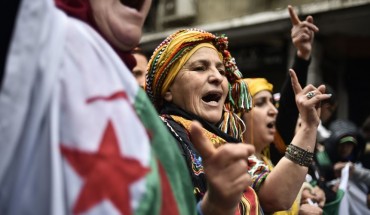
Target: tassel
240,96
232,124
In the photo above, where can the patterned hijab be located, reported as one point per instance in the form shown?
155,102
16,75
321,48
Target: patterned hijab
169,57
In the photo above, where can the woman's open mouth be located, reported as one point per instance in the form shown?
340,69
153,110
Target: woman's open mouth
271,125
212,98
136,4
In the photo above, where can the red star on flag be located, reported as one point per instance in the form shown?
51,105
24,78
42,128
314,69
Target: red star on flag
106,174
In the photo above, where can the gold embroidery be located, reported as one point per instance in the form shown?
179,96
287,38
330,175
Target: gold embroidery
216,140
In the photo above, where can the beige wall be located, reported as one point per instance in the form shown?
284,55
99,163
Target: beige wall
219,10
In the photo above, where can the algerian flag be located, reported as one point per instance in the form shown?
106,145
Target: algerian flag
343,186
340,203
355,192
78,136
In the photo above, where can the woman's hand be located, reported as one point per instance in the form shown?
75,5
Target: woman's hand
302,34
315,195
226,170
307,209
340,165
308,101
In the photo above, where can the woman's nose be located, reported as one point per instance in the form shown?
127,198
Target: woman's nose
272,109
216,76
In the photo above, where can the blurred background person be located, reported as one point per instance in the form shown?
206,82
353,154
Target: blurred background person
140,70
358,188
365,134
344,145
328,110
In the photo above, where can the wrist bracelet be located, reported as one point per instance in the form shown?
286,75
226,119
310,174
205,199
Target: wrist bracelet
299,155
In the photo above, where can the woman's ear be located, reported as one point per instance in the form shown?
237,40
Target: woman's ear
168,96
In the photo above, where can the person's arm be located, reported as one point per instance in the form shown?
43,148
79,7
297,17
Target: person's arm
7,25
361,174
307,209
302,34
289,174
288,113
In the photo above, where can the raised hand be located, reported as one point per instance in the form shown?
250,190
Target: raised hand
225,170
308,100
302,33
315,194
340,165
307,209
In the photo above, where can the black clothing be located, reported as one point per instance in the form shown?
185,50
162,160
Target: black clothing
288,112
191,156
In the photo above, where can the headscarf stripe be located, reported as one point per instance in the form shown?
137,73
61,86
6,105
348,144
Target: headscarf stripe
176,46
163,68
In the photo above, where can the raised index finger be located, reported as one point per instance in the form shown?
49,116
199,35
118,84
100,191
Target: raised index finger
201,143
293,16
295,84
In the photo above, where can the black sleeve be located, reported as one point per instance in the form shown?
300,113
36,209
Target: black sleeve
288,111
7,25
191,157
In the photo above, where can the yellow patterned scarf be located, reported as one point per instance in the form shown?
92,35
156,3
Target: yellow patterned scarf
172,53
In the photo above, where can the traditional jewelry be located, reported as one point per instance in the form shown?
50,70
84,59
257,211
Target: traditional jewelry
310,95
299,155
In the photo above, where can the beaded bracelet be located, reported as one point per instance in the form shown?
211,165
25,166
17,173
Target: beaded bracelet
299,155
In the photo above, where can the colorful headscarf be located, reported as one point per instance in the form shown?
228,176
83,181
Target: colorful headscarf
256,85
176,49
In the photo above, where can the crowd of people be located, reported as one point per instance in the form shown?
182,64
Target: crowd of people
89,125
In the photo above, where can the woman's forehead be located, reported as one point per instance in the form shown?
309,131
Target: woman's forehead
205,53
263,93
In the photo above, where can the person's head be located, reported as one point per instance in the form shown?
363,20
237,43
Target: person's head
140,70
346,145
365,129
120,22
328,106
193,70
260,121
343,140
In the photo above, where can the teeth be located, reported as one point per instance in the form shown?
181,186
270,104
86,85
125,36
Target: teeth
212,102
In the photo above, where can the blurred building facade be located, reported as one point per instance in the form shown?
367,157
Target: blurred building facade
259,35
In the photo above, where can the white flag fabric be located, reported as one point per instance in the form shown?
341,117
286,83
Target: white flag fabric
71,139
344,204
354,199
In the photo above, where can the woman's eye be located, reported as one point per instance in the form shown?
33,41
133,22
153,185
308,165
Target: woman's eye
259,102
199,68
222,72
272,100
